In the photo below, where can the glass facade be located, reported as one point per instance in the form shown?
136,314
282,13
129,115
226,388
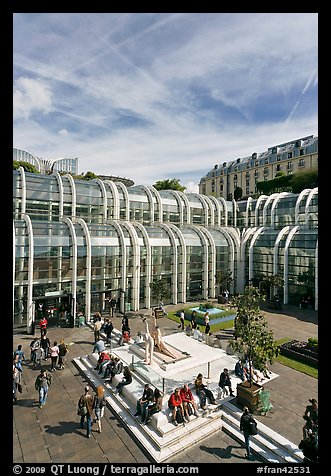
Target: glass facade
88,240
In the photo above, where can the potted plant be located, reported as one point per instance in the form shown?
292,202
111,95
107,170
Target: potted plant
253,340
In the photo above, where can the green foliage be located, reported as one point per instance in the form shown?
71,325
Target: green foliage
313,342
237,193
294,183
253,338
169,184
86,176
223,279
271,283
303,180
159,289
26,166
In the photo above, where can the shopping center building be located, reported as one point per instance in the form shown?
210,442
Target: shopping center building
78,242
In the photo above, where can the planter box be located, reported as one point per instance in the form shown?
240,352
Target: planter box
300,351
248,395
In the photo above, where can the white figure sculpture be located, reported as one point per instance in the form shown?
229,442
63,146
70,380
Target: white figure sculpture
159,342
149,345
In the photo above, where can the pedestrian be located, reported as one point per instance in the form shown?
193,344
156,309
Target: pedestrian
20,357
112,304
42,384
311,418
194,320
63,350
34,345
43,326
125,325
206,319
45,345
127,379
99,403
54,356
97,327
108,330
17,387
247,422
85,410
225,381
182,320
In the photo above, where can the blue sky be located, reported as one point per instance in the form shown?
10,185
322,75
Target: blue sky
151,96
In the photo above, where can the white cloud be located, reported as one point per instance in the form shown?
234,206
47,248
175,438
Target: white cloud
31,95
155,96
63,132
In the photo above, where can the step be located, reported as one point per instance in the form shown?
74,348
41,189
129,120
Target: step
161,442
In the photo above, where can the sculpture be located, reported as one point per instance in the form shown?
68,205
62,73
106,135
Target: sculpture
159,342
149,344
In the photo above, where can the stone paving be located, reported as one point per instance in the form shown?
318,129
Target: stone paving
52,434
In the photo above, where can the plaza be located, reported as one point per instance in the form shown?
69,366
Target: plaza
52,434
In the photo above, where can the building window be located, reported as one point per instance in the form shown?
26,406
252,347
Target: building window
302,151
256,173
289,155
274,150
289,165
266,160
301,162
247,190
235,177
278,167
257,163
265,171
279,158
221,181
221,188
247,183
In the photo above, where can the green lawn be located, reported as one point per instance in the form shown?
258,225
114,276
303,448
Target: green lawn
293,364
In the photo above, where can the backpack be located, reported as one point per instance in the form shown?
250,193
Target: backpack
252,427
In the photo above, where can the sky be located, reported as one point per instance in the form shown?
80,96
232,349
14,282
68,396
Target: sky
154,96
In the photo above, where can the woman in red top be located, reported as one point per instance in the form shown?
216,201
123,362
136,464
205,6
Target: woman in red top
187,398
43,326
176,404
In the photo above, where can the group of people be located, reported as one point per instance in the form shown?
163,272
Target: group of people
87,404
248,372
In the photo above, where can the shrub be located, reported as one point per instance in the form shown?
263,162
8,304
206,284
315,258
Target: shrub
313,342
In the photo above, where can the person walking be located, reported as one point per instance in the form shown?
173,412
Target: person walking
182,320
54,355
63,350
246,422
42,384
34,345
20,357
16,382
43,326
311,418
45,345
99,402
85,409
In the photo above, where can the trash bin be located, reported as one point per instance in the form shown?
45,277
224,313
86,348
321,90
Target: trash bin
127,306
81,321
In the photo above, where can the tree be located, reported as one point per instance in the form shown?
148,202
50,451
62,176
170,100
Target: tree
159,289
271,284
253,338
237,193
26,166
223,279
169,184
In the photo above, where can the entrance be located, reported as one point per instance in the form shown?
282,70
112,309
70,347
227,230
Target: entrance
56,308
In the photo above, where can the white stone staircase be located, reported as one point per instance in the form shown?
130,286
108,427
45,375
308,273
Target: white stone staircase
270,445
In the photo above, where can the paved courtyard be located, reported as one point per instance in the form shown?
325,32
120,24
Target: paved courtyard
52,434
